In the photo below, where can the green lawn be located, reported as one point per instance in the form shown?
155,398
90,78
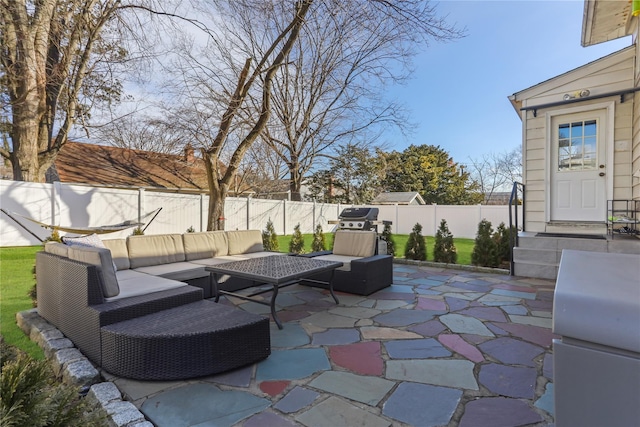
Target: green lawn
464,246
17,279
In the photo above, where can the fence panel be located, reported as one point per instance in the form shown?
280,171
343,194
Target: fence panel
87,206
263,210
30,199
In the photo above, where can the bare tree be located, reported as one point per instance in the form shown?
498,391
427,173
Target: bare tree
331,92
496,172
141,132
53,54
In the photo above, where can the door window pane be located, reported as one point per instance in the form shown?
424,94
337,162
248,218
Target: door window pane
577,146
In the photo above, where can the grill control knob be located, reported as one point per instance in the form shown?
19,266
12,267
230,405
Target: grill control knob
350,224
342,224
359,225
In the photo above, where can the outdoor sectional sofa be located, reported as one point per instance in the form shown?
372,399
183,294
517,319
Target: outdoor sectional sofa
137,309
363,272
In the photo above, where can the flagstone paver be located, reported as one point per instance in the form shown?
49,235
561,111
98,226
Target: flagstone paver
511,351
510,381
296,399
337,412
465,325
366,389
422,405
498,411
363,358
450,373
439,348
416,349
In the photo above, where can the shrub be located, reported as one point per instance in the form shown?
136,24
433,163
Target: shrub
318,244
444,250
296,245
416,247
484,250
54,237
388,238
31,396
191,229
502,238
138,231
270,238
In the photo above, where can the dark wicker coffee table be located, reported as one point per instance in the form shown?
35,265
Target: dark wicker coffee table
277,270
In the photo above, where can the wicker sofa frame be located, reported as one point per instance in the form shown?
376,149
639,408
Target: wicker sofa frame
165,335
363,275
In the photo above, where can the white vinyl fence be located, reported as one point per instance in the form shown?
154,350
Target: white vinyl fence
89,206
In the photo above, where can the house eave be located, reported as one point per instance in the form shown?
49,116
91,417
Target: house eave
603,21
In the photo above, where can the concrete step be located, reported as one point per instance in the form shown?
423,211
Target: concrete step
540,256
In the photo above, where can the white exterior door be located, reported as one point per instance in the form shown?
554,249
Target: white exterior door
578,167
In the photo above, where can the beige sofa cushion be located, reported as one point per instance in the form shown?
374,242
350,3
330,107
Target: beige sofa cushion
100,257
344,259
207,244
355,243
57,248
133,283
154,250
244,241
175,271
119,253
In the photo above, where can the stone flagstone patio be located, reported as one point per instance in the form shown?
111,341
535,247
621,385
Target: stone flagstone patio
441,347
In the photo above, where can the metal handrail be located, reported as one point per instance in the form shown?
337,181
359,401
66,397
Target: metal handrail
513,225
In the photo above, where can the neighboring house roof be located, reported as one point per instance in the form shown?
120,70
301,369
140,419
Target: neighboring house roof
105,165
399,197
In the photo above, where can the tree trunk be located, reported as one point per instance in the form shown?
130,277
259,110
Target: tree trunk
294,185
217,193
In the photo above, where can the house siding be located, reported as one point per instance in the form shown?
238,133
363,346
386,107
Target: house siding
635,152
609,74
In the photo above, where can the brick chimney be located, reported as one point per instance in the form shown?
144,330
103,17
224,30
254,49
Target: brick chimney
189,154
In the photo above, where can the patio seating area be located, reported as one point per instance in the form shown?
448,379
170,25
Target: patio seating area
440,347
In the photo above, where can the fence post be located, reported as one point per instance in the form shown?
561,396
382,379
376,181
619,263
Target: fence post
435,218
248,213
201,210
140,204
54,195
284,217
313,224
397,221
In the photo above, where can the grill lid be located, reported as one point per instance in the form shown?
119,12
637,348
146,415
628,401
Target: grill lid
370,214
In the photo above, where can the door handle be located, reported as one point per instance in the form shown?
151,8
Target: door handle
601,174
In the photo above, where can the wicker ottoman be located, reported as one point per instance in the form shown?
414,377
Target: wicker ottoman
192,340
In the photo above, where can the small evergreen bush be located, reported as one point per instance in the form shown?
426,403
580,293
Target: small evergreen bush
388,238
416,247
54,237
444,250
138,231
30,395
485,252
296,245
318,244
191,229
502,237
270,238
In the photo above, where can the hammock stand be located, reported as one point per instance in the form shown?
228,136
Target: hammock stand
104,229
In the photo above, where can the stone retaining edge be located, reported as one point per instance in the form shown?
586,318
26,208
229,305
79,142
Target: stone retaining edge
75,369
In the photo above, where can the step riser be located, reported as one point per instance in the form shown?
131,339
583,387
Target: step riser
539,257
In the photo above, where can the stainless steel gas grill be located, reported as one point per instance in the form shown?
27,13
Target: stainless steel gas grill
358,219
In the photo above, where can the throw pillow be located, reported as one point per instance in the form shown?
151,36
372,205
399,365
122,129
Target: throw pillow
91,241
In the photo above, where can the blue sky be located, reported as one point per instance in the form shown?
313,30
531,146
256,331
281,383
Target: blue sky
458,95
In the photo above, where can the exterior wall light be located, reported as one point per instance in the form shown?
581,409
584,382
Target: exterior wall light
577,94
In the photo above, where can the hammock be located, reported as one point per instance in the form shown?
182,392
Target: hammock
86,230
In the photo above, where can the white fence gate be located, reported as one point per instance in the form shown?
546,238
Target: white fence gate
89,206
